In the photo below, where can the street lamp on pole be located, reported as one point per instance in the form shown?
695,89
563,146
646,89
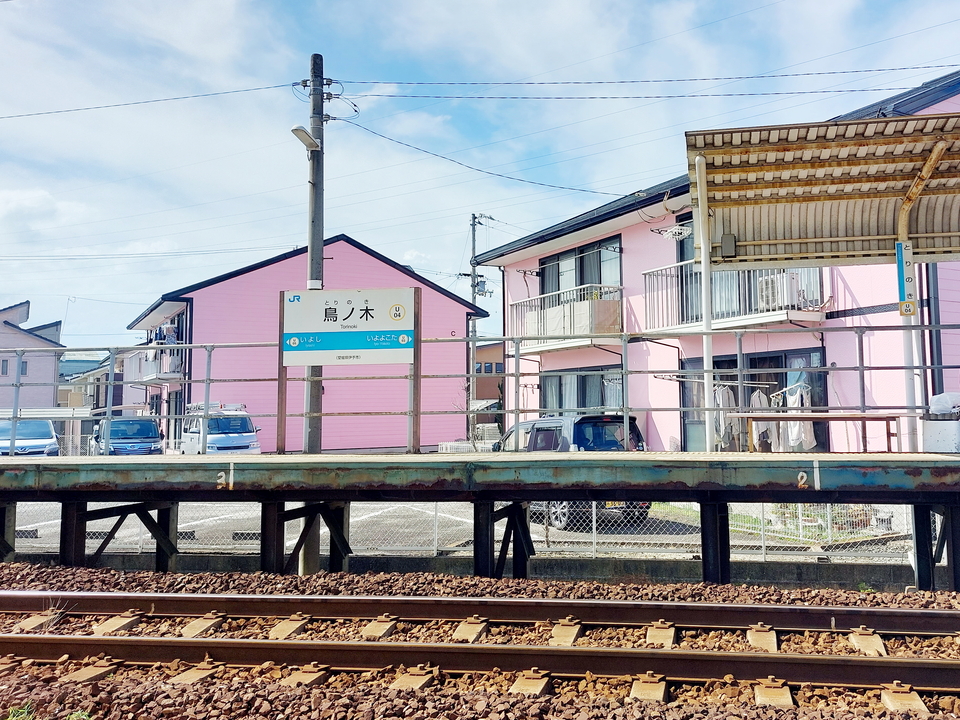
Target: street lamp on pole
313,141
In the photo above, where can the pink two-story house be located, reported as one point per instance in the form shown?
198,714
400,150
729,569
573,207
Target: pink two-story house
631,266
38,370
243,307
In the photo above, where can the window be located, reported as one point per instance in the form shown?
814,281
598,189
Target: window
594,264
599,390
4,367
488,367
478,368
770,372
23,368
499,368
546,439
516,439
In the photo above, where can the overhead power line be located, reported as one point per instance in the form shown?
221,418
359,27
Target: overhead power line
662,80
146,102
524,83
139,256
476,169
627,97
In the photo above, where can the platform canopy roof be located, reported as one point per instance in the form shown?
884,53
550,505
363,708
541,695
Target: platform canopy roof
829,193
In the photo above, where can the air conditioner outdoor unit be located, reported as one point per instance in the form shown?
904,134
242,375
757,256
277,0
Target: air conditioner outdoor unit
778,292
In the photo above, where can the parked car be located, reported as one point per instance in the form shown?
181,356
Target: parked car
34,437
573,433
128,436
229,430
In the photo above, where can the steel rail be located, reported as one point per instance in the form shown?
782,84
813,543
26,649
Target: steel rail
607,612
846,671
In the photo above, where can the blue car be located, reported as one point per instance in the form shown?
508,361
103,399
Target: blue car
128,436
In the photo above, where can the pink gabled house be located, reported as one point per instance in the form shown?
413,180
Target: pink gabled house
630,266
38,371
243,307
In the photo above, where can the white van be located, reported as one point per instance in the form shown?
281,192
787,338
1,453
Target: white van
229,430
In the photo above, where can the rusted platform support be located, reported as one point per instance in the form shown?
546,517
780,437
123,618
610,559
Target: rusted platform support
271,537
923,562
168,519
715,542
483,539
951,532
163,530
73,534
517,532
8,531
273,520
336,516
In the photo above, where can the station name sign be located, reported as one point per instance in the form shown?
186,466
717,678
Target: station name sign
348,327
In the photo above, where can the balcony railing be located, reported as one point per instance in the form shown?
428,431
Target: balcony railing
673,295
163,363
584,310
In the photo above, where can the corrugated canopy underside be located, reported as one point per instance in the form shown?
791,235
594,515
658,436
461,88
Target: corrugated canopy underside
829,193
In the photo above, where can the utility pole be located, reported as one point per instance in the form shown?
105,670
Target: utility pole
314,390
472,354
313,394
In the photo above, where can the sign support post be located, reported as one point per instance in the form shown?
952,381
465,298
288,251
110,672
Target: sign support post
416,380
281,390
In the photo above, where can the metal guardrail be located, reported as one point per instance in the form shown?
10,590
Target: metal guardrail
520,380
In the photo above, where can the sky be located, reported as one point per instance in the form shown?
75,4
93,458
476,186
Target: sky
104,210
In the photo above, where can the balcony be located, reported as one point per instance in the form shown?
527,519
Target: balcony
162,364
740,297
581,311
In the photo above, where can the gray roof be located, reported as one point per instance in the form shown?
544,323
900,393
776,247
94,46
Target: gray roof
909,102
615,209
906,103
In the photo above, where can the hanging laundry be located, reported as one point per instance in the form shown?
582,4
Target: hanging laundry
798,434
726,428
762,429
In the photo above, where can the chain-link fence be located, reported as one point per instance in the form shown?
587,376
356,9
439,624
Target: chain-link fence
836,533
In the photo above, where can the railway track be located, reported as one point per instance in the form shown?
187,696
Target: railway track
655,644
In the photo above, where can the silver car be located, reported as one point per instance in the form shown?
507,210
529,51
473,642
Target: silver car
571,433
34,437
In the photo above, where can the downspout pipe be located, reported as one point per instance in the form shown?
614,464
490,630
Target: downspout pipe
910,276
702,231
